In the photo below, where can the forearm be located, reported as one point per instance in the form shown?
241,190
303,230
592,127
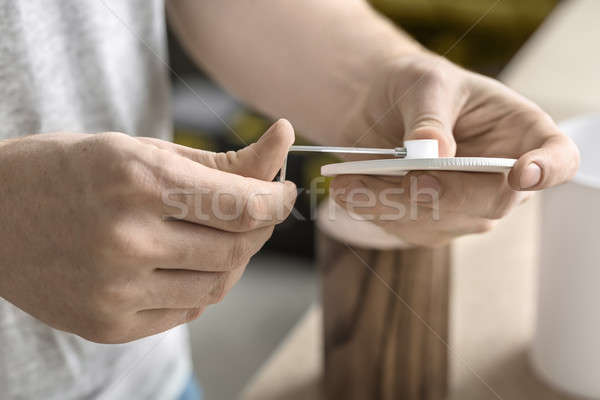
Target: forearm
310,61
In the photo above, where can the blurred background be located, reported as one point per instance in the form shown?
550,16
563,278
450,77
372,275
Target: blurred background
234,338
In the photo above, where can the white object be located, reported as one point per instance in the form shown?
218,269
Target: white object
566,346
424,148
399,167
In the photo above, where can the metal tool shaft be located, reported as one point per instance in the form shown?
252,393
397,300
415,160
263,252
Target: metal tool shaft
399,152
396,152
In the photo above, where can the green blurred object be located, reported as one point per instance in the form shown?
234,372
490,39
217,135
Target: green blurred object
194,139
478,34
249,126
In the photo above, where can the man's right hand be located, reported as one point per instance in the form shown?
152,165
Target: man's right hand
115,238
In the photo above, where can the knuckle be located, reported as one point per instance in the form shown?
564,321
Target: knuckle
111,335
228,205
109,146
239,253
109,143
127,166
428,120
105,331
193,313
459,195
433,76
230,158
99,302
111,138
574,158
116,242
226,160
497,213
503,204
253,212
118,238
107,304
485,226
265,235
219,288
183,255
128,244
128,171
108,297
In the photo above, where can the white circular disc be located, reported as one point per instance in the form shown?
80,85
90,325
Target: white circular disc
400,166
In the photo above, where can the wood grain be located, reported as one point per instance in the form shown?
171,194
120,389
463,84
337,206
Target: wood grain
385,321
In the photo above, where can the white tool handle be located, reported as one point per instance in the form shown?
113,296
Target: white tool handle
424,148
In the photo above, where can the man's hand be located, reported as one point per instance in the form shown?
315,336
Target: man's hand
115,238
424,96
352,79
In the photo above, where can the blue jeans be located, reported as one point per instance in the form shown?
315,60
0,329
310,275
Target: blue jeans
192,390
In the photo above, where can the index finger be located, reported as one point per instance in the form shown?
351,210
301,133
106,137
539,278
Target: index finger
195,193
474,194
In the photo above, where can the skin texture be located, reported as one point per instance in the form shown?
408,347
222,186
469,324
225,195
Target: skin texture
471,116
91,247
311,61
345,76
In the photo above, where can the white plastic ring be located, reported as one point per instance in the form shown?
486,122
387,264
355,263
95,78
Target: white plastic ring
423,148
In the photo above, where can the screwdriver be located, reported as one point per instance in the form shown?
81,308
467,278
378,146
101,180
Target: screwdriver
424,148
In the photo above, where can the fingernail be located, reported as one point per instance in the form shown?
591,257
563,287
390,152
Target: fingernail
428,188
531,176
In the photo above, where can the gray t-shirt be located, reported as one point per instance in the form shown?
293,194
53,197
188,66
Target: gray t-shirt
84,66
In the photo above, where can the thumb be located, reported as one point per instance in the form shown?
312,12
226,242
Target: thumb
261,160
428,115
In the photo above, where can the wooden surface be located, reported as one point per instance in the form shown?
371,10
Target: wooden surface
385,321
493,283
492,289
